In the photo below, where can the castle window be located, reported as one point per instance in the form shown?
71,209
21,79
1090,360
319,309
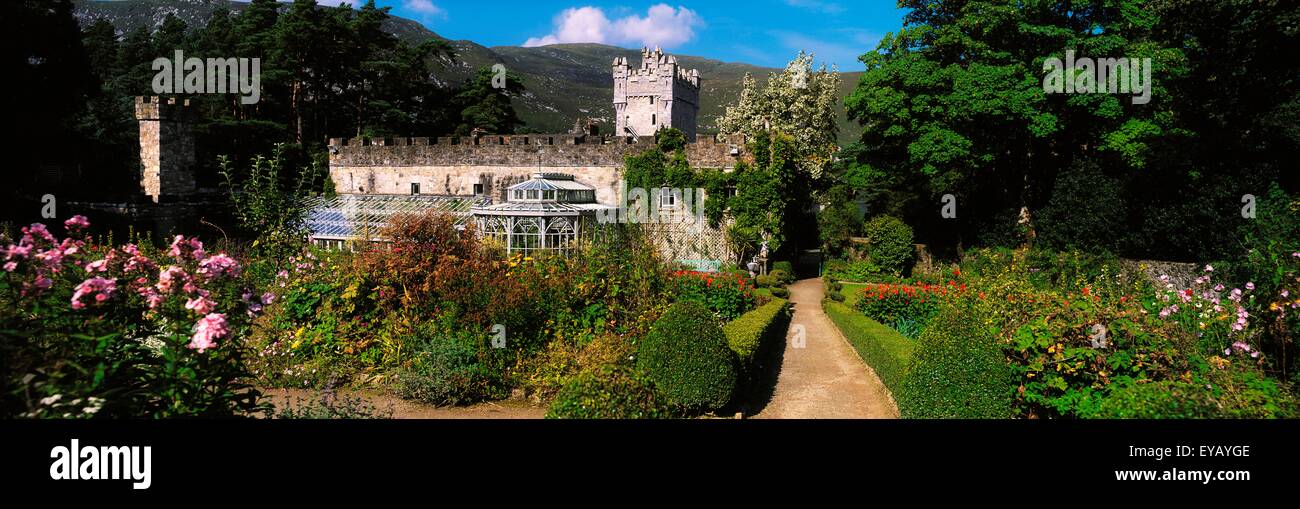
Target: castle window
652,119
667,198
478,189
652,100
415,188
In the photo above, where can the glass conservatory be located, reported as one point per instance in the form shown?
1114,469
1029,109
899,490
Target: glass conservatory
547,213
338,222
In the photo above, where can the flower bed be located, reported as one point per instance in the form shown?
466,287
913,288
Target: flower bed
727,295
125,331
908,308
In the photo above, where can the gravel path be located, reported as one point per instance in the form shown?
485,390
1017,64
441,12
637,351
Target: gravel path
825,379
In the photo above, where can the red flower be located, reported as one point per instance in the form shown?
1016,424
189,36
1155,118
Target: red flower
1087,291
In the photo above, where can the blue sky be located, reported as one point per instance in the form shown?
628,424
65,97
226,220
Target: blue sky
761,32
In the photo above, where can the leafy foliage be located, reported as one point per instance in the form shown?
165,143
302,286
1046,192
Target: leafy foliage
889,244
92,330
956,371
686,356
608,392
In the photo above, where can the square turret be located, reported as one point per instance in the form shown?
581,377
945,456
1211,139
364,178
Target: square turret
657,95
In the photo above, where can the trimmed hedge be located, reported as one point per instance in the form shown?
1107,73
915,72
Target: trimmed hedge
957,372
608,392
757,329
686,356
887,352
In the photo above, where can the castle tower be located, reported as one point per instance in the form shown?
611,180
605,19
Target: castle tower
657,95
166,147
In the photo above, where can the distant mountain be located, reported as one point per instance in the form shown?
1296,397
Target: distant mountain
563,82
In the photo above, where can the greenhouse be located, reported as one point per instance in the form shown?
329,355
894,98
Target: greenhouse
546,213
337,221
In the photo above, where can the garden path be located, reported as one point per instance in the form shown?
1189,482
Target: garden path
825,379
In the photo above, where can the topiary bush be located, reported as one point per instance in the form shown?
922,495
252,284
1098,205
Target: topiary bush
763,281
781,277
686,356
780,292
785,266
608,392
956,371
889,244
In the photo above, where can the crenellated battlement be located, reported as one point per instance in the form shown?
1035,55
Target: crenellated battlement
657,95
160,108
523,151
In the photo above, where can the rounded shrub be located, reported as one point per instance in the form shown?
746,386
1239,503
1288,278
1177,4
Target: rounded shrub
608,392
785,266
685,355
889,243
763,281
957,371
780,292
835,296
781,278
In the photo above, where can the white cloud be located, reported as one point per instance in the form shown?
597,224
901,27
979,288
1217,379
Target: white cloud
663,25
425,7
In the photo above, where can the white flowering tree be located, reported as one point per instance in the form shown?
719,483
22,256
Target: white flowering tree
798,101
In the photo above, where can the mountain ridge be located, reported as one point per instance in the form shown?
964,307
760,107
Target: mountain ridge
563,82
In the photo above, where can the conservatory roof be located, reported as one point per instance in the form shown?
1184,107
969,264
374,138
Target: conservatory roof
538,209
551,182
348,216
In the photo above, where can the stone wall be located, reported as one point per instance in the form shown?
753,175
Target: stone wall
166,148
452,166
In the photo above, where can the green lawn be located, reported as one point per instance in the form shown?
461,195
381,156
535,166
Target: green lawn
852,291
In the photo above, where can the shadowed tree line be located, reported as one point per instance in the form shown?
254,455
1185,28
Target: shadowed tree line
953,103
325,71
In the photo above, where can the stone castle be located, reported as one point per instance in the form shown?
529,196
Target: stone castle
657,95
479,169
